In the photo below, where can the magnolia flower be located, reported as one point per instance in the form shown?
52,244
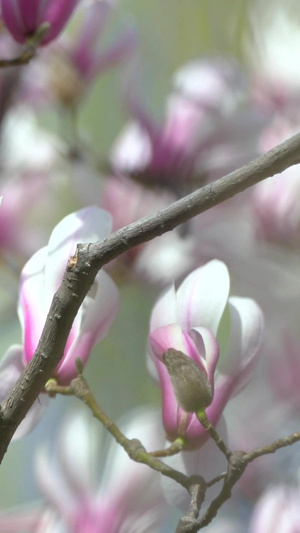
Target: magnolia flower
208,129
189,320
277,511
23,19
40,278
126,498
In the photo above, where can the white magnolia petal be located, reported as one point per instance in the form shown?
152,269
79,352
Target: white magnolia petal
144,424
132,150
246,333
52,484
11,368
85,432
276,511
33,416
202,297
102,309
164,311
25,518
32,288
90,224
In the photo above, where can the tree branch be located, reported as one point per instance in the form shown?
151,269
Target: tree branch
83,267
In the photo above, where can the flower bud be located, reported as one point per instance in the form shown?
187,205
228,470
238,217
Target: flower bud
191,386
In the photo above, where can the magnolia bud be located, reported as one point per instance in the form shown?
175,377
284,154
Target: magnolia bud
191,386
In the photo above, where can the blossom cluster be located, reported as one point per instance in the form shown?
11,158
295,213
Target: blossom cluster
202,320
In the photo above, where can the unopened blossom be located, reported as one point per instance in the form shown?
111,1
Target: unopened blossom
277,511
40,278
126,498
209,129
67,69
189,320
24,18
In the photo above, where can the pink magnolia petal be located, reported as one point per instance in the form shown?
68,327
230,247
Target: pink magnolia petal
224,389
29,11
12,18
183,120
23,17
161,340
32,310
202,297
95,20
211,347
92,324
90,224
57,14
165,337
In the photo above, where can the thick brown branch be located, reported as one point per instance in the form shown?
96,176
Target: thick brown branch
82,270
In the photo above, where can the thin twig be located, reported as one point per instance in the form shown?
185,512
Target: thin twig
204,421
133,447
176,447
29,51
273,447
22,59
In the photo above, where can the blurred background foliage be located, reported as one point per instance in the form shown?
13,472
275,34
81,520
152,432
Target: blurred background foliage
171,32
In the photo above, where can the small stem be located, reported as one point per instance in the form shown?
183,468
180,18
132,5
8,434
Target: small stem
52,389
215,480
22,59
29,52
203,419
133,447
272,448
174,448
